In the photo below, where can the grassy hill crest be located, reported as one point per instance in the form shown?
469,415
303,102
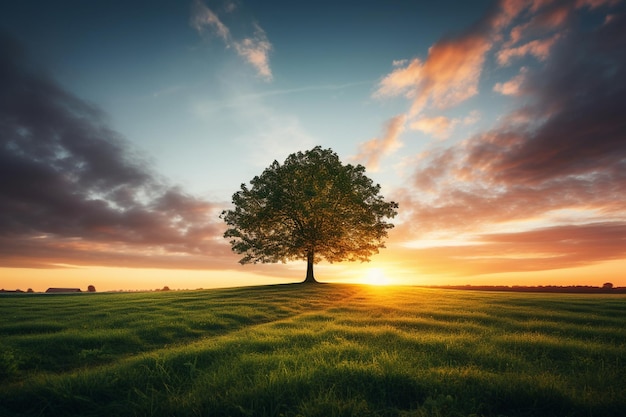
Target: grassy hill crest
313,350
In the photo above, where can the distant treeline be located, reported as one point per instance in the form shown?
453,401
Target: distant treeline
584,289
91,289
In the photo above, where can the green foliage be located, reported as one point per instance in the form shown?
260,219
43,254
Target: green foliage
329,350
310,208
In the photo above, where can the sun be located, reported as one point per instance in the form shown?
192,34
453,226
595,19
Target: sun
376,276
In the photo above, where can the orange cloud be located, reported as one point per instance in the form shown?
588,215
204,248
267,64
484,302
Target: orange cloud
402,80
542,249
448,77
440,126
373,150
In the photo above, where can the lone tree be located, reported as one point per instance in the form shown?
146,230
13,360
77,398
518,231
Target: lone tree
311,208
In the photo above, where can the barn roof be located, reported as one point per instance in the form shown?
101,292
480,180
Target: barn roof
63,290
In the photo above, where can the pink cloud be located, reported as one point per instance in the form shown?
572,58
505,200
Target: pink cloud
512,87
256,51
540,49
540,24
507,10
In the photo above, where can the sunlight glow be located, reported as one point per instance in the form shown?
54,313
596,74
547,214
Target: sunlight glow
376,276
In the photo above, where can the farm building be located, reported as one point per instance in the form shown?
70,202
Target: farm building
50,290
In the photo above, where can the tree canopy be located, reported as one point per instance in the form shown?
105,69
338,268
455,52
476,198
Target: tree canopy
312,207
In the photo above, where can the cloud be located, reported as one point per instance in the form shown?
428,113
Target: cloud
255,50
543,23
448,77
513,86
372,150
543,249
75,192
451,72
440,127
472,118
402,80
203,16
540,49
564,148
243,100
543,28
593,4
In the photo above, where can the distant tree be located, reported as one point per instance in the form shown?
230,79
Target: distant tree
91,288
30,290
166,288
312,207
607,286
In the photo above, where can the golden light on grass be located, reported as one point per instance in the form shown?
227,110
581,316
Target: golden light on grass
377,276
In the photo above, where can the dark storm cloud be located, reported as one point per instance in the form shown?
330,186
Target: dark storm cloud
72,190
582,93
563,149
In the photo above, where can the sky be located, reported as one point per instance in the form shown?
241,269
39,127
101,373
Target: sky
498,126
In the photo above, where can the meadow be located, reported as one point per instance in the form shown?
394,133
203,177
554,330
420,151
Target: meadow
313,350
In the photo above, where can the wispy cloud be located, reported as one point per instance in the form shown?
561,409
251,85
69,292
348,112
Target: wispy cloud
255,49
539,48
202,17
374,149
206,107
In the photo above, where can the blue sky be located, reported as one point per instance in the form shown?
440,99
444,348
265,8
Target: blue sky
461,110
189,102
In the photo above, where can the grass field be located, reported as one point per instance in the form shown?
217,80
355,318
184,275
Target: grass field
313,350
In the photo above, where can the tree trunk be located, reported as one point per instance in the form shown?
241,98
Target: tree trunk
310,279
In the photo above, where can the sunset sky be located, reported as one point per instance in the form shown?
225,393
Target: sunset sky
498,127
